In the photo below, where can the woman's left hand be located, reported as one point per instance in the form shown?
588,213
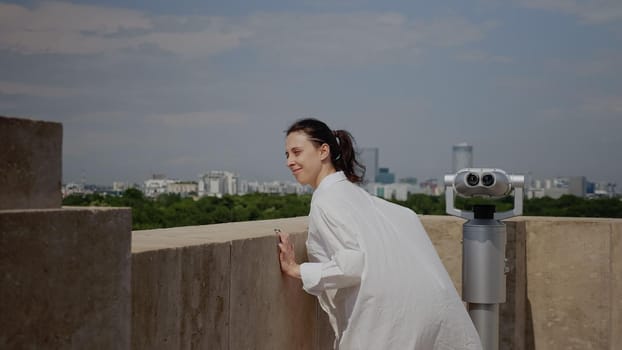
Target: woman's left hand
287,256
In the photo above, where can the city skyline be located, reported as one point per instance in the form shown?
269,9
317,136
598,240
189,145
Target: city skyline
180,88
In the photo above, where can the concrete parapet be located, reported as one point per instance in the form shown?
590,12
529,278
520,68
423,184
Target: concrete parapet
181,298
280,312
241,285
446,235
30,164
615,328
220,285
573,275
65,277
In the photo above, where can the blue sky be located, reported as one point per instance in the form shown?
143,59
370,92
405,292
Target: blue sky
184,87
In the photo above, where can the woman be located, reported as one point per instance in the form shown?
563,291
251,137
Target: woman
372,265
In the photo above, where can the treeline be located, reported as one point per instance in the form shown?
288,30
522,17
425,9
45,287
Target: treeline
170,210
565,206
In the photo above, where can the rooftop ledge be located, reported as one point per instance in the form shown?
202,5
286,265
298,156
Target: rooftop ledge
220,285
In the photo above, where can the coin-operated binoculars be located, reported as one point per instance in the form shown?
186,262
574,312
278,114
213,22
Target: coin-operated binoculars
483,246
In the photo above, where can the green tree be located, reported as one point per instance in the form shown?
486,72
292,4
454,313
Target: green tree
172,210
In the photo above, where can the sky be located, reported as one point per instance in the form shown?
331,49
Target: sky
183,87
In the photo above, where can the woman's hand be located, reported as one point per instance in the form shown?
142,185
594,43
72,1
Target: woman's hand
287,256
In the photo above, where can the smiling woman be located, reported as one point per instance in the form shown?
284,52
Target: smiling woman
372,266
309,145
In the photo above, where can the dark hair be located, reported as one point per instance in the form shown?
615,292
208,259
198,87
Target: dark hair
340,142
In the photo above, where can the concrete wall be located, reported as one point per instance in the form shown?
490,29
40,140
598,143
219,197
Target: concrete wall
30,164
64,272
573,283
220,285
65,277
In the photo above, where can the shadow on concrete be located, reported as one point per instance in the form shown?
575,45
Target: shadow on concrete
529,336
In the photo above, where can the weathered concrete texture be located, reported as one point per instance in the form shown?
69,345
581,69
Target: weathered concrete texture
281,313
205,285
65,277
615,329
512,312
156,295
569,275
180,298
147,240
30,164
446,235
201,287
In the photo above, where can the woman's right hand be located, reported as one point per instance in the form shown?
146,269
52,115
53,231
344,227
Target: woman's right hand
287,256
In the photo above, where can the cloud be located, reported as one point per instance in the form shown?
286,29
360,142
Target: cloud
198,119
340,38
65,28
604,107
356,38
593,11
15,88
603,64
482,57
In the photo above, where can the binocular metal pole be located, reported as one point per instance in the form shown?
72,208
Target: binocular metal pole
483,246
483,272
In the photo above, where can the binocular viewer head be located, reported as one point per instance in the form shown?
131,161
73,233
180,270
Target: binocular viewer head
483,182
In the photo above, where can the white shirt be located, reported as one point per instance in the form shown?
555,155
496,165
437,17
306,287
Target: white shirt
378,276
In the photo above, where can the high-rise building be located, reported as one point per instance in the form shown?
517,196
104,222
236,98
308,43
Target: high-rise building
369,158
462,156
577,186
157,185
384,176
218,183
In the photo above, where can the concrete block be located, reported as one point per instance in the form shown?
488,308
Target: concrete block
569,276
615,329
30,164
156,299
268,310
446,235
65,277
182,281
180,298
205,281
512,312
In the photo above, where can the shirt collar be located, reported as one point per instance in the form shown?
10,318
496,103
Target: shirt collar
331,179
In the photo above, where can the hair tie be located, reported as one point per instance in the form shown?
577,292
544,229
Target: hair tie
338,145
336,138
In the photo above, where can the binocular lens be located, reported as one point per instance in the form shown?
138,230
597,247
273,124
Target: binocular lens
488,180
472,179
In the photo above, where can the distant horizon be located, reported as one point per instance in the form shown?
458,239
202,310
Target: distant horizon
397,179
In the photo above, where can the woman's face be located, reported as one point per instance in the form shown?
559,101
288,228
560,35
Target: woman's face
304,159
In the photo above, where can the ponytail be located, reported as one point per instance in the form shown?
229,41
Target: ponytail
345,159
340,142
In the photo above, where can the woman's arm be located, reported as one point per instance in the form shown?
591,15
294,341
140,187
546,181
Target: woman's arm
331,243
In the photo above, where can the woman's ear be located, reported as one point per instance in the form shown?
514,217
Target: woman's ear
324,151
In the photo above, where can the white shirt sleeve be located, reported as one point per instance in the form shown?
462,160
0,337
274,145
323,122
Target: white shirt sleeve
338,261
